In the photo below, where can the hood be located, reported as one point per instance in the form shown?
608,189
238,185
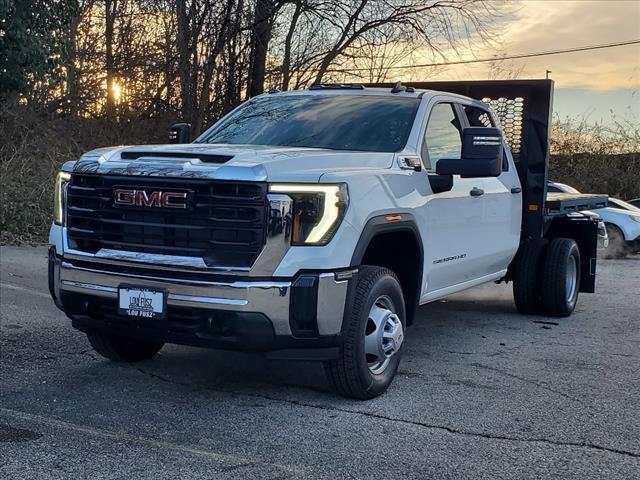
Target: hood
228,162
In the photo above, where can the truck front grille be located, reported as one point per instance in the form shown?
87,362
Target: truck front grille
224,223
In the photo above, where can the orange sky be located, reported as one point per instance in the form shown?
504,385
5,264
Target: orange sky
594,84
587,83
554,24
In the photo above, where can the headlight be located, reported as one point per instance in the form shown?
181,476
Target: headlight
58,201
317,210
635,218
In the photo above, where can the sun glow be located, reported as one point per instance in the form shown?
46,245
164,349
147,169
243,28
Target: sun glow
117,92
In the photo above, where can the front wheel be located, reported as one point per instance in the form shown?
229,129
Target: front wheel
561,277
122,349
373,336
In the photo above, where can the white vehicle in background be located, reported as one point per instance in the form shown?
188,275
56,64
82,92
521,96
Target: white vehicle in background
621,219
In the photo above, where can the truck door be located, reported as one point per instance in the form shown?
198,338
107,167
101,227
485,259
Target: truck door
502,202
453,227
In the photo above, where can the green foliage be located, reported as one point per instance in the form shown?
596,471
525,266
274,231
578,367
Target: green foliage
33,146
597,158
30,43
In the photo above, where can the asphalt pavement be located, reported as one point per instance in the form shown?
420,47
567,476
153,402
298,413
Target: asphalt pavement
482,392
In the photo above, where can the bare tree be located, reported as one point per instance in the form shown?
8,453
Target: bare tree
363,39
110,11
261,30
504,70
203,29
201,57
377,53
432,22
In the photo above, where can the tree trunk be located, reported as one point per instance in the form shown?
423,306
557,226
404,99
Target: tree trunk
70,67
286,60
216,50
110,17
345,38
235,67
184,62
326,61
260,36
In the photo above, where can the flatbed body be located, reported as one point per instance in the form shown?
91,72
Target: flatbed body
559,203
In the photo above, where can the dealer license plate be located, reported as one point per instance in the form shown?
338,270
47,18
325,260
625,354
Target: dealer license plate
142,302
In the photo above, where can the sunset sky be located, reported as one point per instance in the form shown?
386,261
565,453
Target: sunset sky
587,83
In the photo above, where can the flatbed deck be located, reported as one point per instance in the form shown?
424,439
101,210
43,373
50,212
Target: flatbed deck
562,203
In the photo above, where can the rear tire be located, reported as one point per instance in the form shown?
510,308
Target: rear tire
373,336
561,277
527,279
122,349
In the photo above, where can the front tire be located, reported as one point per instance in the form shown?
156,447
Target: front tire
561,277
373,336
122,349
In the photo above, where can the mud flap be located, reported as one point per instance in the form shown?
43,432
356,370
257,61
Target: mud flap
585,233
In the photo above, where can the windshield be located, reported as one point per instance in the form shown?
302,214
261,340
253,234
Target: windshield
338,122
617,203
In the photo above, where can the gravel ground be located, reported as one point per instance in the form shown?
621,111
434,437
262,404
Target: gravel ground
482,392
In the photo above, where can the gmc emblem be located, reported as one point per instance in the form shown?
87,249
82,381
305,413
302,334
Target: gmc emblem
141,198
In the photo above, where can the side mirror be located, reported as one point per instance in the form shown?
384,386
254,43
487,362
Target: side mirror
180,133
482,150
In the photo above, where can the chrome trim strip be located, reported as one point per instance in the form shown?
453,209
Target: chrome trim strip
192,300
89,286
151,261
186,282
173,298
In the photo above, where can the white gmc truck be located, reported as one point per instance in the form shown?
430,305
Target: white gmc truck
312,224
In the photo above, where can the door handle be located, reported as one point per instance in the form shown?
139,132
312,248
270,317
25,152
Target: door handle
516,189
476,192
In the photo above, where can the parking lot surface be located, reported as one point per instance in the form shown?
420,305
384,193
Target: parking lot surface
482,392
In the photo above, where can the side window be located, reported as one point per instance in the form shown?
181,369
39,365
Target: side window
442,138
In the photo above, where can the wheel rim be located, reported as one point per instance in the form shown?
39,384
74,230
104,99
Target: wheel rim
383,335
572,278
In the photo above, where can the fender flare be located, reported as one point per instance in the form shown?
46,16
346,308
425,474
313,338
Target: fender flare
380,225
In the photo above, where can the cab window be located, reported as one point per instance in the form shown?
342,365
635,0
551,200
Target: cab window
443,136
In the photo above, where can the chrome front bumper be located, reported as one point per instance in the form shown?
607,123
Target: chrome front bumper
271,298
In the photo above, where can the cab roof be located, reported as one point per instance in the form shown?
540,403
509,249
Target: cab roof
360,90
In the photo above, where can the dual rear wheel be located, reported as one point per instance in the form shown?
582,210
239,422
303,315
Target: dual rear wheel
546,279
